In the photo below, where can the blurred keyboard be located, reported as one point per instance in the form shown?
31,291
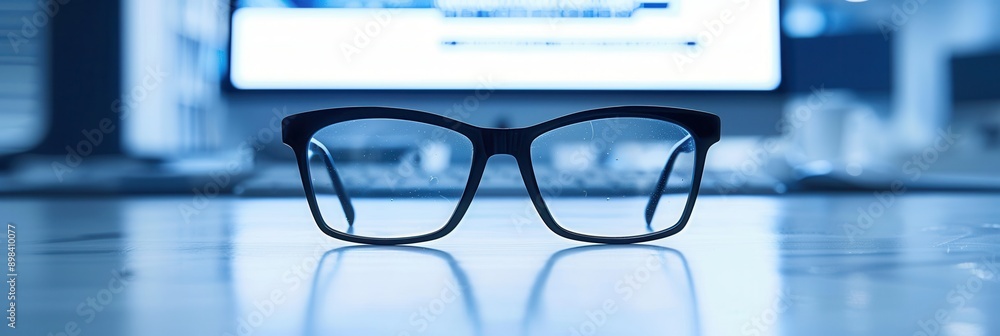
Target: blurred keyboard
502,178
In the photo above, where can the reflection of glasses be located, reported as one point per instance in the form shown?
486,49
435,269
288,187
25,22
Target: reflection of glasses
389,176
365,315
680,312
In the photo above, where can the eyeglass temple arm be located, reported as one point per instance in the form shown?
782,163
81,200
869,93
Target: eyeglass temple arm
338,185
686,145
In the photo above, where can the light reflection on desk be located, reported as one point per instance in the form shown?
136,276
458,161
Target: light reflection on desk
391,291
634,289
744,266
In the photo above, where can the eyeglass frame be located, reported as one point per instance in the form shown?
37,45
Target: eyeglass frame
298,130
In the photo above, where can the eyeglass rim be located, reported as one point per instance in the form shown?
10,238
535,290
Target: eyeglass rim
298,130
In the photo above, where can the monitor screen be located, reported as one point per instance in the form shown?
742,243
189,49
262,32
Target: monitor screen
506,44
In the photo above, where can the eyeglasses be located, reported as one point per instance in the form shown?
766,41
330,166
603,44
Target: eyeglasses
387,176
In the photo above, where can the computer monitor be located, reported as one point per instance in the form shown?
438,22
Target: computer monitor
706,45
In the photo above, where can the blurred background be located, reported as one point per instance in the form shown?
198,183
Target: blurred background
158,96
181,100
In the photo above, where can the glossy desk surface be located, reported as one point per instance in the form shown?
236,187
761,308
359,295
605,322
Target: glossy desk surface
788,265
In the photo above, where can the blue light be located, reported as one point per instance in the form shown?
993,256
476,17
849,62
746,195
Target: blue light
804,21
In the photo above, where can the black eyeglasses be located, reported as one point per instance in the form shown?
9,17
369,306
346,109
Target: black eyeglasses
387,176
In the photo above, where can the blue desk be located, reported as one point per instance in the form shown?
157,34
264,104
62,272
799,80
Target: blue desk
789,265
